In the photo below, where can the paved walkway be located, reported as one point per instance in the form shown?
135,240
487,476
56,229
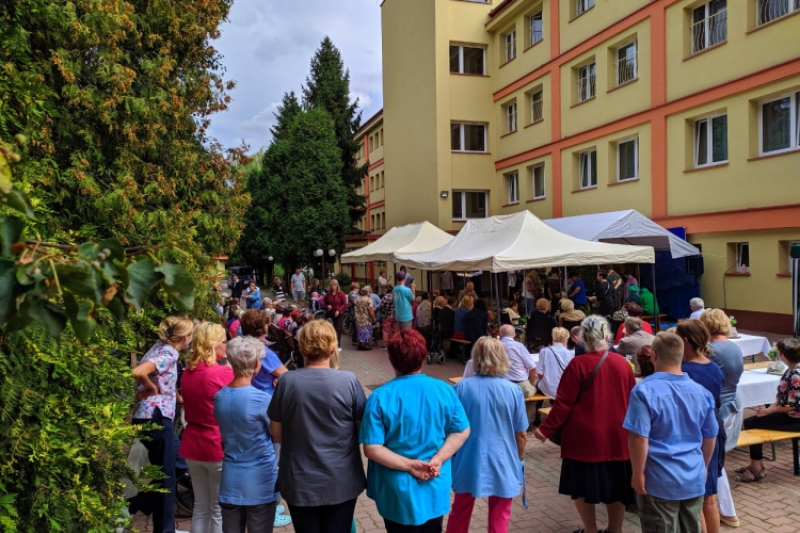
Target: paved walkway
772,505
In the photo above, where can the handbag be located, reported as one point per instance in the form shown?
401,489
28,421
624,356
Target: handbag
555,438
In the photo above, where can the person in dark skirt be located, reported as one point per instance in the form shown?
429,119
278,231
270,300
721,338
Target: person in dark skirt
705,372
595,466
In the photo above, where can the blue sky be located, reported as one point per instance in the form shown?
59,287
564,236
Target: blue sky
267,46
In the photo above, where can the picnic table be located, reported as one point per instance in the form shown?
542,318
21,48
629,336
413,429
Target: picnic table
752,345
757,387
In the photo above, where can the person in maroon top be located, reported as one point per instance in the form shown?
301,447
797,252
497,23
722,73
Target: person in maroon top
201,442
595,466
335,302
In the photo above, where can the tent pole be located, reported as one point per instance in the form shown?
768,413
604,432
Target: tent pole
655,300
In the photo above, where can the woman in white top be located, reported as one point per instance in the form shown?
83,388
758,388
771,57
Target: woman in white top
552,362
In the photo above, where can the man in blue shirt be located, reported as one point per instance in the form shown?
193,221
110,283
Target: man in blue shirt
403,299
577,292
672,431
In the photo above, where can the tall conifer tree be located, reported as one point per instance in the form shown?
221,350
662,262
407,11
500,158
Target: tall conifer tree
328,87
289,108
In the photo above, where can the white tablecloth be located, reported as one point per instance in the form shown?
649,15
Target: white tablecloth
756,387
752,345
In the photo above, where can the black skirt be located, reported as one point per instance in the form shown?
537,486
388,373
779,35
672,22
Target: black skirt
608,482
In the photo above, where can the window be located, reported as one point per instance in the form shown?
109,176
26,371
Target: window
511,117
537,106
582,6
743,257
512,183
710,140
628,160
709,25
586,86
537,182
626,63
468,204
535,28
785,256
588,169
769,10
468,137
510,45
467,60
779,124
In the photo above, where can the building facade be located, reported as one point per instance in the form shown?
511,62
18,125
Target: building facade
687,111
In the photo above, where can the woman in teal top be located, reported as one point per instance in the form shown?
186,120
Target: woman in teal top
411,427
490,463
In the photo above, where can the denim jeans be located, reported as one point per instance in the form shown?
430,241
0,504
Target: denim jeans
160,444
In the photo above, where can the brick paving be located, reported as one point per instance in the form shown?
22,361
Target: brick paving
772,505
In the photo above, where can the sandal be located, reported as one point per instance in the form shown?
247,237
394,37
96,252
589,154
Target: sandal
282,520
729,522
279,510
757,476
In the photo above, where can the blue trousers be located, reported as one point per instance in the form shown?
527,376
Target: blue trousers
160,444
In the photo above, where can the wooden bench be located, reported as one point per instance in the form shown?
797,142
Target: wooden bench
762,436
755,366
455,379
545,411
464,347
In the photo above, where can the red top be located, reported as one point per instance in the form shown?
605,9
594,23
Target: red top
201,441
621,330
337,301
593,433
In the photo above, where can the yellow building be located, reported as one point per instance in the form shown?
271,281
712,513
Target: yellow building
687,111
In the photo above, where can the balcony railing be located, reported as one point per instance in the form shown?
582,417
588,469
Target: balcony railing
586,87
626,69
537,110
710,31
772,9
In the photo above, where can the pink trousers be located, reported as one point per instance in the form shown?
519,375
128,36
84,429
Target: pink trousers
460,515
390,328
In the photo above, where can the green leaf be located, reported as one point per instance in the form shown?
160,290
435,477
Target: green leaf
48,314
88,251
142,278
11,229
18,201
8,280
113,246
179,285
118,308
79,281
81,316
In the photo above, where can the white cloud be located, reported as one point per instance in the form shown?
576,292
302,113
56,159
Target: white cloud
267,48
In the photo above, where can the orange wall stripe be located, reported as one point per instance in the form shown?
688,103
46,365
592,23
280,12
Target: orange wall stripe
658,155
743,84
748,219
555,29
377,204
373,166
658,57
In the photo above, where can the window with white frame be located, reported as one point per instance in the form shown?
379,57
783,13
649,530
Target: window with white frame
509,46
469,204
586,82
582,5
537,106
626,68
535,28
780,124
769,10
743,257
709,24
511,117
628,159
467,59
711,140
466,137
512,184
537,182
587,169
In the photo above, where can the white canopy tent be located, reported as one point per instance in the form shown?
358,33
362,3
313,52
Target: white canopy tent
410,239
623,227
519,242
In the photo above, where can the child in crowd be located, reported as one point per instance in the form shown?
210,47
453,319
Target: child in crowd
314,303
672,429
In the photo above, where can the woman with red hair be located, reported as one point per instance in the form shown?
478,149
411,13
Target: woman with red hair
411,427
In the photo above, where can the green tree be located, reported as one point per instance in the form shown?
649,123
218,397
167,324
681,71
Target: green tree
116,97
299,201
287,110
328,87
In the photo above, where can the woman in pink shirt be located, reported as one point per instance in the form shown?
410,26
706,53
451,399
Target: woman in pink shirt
201,442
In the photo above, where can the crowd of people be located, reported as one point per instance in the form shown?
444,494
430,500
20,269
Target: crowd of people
641,419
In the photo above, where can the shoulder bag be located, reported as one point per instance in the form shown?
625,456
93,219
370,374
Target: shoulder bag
555,438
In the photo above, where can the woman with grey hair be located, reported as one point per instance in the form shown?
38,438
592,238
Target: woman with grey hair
589,409
489,465
247,493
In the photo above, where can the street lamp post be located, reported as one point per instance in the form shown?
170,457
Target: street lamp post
319,253
271,269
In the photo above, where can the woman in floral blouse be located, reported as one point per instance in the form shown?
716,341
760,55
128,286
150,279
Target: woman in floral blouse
783,415
156,379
